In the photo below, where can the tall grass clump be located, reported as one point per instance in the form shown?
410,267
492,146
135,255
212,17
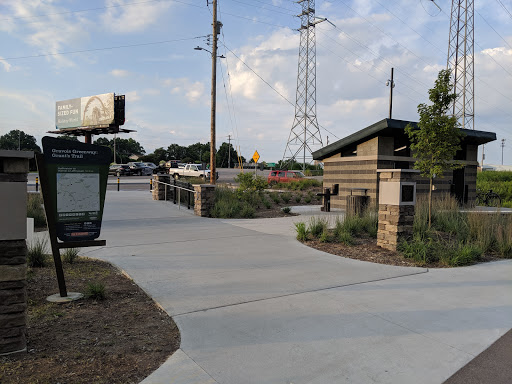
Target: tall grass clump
70,255
95,291
35,209
317,226
299,185
447,217
37,251
499,181
302,232
228,205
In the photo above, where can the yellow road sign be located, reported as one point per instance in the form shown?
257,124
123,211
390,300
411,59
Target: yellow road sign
256,156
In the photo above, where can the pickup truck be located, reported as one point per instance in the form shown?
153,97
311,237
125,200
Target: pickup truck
191,170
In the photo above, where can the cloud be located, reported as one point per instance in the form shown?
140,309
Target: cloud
123,18
183,86
132,96
120,73
51,33
7,66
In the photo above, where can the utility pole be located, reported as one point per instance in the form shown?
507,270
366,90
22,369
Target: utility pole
502,146
115,148
483,157
391,85
216,30
229,151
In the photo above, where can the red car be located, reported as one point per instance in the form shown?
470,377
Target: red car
275,177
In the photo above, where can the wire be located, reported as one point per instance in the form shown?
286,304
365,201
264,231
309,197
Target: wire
99,9
100,49
503,6
261,78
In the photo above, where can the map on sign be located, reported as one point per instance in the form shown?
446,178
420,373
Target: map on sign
78,192
256,156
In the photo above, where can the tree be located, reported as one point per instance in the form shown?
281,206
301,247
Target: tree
176,152
124,148
437,138
19,140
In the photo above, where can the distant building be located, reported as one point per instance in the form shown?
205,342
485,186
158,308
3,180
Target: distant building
352,162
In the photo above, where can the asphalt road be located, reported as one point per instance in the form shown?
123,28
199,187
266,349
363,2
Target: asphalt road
140,183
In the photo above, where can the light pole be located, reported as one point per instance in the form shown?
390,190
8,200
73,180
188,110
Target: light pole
391,84
502,146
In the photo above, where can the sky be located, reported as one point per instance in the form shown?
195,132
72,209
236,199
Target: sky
52,50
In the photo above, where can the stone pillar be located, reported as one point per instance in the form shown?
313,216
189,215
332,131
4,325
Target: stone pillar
204,199
13,250
397,198
159,189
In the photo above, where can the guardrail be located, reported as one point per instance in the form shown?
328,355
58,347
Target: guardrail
178,189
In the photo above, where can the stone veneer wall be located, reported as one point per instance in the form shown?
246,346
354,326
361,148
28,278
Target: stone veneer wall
159,189
395,221
13,250
204,199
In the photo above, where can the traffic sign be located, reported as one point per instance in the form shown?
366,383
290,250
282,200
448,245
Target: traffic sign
256,156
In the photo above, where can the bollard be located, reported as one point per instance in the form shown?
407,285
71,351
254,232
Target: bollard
118,184
37,184
150,184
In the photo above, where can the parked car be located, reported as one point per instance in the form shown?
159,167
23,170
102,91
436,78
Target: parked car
150,165
120,170
191,170
275,177
140,169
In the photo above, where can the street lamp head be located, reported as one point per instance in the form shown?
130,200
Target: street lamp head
198,48
221,57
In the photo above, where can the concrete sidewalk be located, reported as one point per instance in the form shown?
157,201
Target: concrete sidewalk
255,306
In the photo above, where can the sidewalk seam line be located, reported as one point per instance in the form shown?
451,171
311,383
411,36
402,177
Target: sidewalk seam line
195,362
298,293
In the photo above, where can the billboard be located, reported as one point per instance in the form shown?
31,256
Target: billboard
90,111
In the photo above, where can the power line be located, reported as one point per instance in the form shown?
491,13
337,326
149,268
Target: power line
505,8
100,49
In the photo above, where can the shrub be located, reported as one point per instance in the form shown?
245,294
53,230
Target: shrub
267,203
422,250
250,181
286,197
302,232
317,226
307,199
463,255
345,238
324,237
35,209
70,255
298,198
286,210
95,291
37,253
275,196
247,211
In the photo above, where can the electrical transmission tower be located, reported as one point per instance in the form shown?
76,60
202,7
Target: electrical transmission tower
461,60
305,133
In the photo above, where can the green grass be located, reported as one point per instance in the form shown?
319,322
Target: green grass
300,185
302,232
95,291
37,253
230,204
499,181
35,209
70,255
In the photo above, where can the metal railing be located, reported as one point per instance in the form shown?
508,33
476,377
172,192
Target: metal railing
178,194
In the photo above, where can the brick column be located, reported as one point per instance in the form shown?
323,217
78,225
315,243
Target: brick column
159,189
13,250
397,198
204,199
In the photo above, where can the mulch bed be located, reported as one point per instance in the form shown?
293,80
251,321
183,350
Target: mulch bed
366,249
120,339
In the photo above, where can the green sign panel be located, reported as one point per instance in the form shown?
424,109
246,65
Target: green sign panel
77,182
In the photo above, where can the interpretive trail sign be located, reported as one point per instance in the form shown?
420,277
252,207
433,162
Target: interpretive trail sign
77,181
73,183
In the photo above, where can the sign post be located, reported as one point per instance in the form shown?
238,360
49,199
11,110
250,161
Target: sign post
73,182
255,157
